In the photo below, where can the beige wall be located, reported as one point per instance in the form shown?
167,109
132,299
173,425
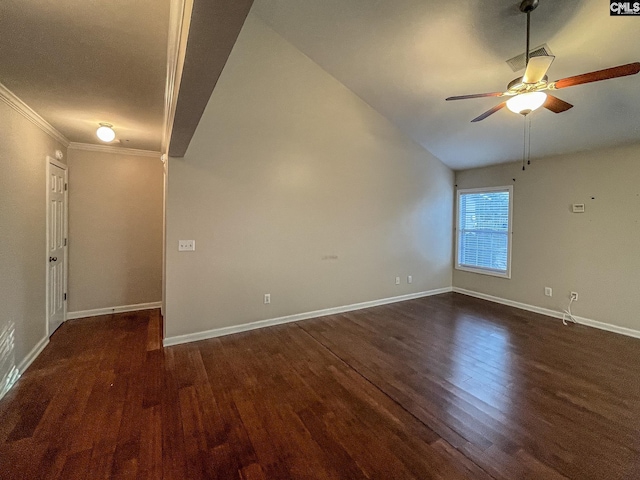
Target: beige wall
23,151
115,230
288,167
594,253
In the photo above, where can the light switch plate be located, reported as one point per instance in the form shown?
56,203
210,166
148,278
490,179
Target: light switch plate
186,245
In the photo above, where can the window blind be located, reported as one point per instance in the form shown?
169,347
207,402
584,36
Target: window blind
483,230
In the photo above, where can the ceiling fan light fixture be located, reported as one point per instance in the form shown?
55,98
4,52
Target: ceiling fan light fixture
526,103
106,133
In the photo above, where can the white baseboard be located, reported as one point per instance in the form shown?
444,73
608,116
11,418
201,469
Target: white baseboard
8,382
107,311
551,313
33,354
17,372
219,332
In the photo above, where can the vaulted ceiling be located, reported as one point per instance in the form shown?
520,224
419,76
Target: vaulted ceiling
404,57
81,62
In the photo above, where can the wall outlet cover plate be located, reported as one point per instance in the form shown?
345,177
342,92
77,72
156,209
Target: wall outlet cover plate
186,245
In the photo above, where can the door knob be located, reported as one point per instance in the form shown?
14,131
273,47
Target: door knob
53,259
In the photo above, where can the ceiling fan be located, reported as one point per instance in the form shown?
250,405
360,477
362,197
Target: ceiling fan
526,93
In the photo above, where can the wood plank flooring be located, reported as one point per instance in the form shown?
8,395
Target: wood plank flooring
442,387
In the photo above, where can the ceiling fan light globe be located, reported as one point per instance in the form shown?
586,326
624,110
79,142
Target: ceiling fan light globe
526,102
106,133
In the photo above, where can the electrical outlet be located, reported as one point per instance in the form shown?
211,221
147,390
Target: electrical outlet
548,292
574,296
267,298
186,245
409,279
397,280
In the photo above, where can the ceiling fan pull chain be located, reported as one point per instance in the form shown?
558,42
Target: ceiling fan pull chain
524,142
529,142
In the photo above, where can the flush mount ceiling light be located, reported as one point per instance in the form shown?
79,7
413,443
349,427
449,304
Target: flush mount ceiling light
106,133
525,103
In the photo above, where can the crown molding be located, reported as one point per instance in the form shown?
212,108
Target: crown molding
11,99
112,149
179,22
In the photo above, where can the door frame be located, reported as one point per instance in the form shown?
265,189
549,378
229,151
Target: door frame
52,161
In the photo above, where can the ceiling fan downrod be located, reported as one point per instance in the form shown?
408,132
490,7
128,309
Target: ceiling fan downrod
528,6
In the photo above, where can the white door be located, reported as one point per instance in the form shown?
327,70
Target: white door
56,247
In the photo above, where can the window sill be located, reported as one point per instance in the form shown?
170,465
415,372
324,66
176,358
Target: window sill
493,273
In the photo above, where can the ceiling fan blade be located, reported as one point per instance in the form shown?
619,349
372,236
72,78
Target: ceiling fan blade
476,95
537,68
556,105
489,112
606,74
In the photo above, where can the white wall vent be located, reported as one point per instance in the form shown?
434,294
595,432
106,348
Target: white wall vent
578,208
519,62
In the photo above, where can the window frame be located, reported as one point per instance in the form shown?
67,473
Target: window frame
481,270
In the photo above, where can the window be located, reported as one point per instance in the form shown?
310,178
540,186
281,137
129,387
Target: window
483,236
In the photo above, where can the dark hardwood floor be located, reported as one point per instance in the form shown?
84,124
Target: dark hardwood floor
441,387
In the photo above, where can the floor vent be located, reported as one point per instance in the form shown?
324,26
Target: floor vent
519,62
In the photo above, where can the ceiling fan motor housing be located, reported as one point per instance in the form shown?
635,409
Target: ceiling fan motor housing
517,85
